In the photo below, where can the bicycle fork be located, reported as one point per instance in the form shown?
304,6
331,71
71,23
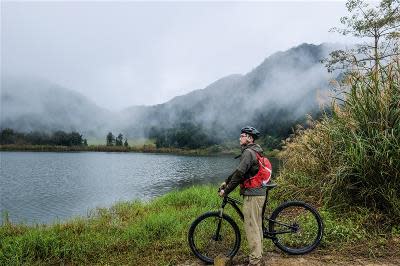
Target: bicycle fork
217,236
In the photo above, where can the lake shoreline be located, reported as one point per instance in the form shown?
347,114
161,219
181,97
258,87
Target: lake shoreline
210,151
44,186
135,231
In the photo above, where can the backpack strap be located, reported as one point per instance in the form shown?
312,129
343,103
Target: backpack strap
256,154
261,161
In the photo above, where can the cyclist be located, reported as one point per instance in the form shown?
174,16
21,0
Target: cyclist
253,197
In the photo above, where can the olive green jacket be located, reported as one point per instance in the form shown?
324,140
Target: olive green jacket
248,167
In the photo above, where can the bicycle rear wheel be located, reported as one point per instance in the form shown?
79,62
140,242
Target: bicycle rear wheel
210,236
297,227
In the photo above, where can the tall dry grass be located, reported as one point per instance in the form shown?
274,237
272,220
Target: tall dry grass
351,158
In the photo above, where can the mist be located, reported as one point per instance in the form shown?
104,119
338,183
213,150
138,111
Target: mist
285,86
122,54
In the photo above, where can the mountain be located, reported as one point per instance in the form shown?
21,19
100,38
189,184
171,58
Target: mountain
31,104
272,97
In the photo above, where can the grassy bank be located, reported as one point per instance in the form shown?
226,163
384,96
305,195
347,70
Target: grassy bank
155,233
209,151
104,148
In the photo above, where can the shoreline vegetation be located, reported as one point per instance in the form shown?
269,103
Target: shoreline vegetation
347,163
214,150
155,233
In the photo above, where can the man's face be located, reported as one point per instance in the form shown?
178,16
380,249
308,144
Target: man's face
243,139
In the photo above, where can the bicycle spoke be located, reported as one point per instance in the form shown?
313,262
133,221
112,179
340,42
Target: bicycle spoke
296,228
210,240
211,244
283,224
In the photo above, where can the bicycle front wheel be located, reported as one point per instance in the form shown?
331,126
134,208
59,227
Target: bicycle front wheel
296,227
211,235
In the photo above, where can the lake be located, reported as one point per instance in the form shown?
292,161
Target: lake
45,187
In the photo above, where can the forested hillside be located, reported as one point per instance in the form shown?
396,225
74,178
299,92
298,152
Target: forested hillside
274,97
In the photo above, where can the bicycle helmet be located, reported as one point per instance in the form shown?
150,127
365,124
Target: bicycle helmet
251,131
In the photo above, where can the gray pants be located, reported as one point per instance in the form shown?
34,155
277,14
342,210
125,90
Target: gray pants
252,212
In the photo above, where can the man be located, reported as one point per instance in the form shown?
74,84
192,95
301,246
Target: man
253,197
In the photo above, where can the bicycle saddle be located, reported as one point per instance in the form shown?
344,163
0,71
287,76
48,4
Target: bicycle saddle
270,185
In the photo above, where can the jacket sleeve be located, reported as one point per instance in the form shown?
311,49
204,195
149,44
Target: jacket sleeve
229,178
233,181
237,177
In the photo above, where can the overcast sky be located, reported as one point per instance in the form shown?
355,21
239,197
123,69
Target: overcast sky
120,54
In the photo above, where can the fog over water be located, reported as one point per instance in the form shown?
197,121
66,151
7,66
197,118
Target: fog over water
120,54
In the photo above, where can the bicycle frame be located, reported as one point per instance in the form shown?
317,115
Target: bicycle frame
266,233
214,232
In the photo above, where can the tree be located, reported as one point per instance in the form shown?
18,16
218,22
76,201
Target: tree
61,138
183,135
110,139
75,139
7,136
118,140
377,27
39,138
126,143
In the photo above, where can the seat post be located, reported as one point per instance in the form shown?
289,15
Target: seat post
269,186
264,207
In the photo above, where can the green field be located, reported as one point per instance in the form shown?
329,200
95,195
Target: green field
155,233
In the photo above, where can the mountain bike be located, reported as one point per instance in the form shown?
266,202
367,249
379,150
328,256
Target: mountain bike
295,227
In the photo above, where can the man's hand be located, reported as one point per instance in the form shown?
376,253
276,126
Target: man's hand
221,191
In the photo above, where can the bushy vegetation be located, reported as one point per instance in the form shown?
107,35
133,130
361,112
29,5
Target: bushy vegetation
193,136
184,135
58,138
352,159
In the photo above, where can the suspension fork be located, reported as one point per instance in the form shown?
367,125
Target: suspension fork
221,211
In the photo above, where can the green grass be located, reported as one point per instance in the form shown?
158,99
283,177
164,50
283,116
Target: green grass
134,229
152,233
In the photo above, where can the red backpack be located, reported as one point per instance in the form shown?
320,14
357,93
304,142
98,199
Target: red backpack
263,175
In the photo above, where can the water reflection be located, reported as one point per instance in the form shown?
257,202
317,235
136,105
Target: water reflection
44,187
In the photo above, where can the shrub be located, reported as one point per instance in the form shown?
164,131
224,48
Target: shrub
353,157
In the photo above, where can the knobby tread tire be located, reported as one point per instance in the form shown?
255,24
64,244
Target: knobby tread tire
319,233
207,215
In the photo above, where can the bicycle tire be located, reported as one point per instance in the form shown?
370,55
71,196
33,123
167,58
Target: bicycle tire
305,223
203,240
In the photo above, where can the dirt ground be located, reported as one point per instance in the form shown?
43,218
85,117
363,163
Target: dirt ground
314,260
279,259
